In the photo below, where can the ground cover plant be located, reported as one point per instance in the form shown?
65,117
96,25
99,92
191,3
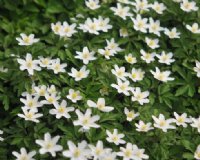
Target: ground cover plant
102,80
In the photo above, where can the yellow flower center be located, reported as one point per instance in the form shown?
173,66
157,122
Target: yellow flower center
26,40
74,95
50,99
61,109
162,123
77,153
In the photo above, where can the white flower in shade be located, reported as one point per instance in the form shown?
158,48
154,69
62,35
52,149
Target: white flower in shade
158,7
162,123
52,89
98,152
110,156
141,5
26,40
196,123
182,119
50,98
100,105
140,96
107,53
61,110
147,57
172,33
112,45
41,90
49,144
79,152
140,24
197,68
130,59
30,115
90,26
197,153
124,1
120,11
74,96
92,4
1,132
4,70
123,32
154,27
56,28
44,62
115,137
138,154
29,64
126,153
178,1
31,102
103,24
165,58
194,28
142,127
23,155
136,74
119,72
188,6
130,115
86,121
162,76
67,30
152,43
122,87
79,75
86,56
57,67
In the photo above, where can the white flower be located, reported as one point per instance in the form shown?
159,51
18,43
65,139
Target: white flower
90,26
56,27
26,40
31,102
103,24
140,24
50,98
86,56
86,121
197,153
119,72
110,156
79,152
178,1
29,64
52,89
130,59
123,32
147,57
61,110
74,96
4,70
23,155
44,62
154,27
120,11
165,58
98,152
138,154
139,96
141,5
41,90
79,75
188,6
194,28
100,105
152,43
196,123
112,45
1,132
107,53
162,76
142,127
92,4
126,153
130,115
158,7
30,115
115,137
122,87
172,33
57,67
67,30
136,74
197,68
49,144
163,123
181,119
